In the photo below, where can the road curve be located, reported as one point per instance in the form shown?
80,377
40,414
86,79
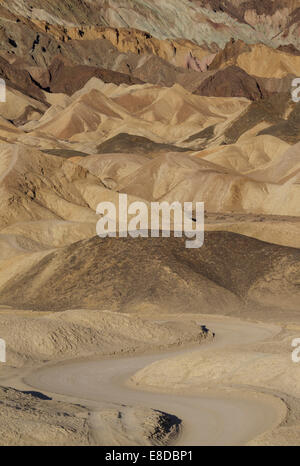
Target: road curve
210,420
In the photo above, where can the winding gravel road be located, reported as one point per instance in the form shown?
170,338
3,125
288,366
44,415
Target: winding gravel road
210,420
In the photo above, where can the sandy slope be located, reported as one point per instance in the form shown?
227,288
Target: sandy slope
209,419
31,418
33,338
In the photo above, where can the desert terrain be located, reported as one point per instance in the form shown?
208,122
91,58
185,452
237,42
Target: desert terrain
142,341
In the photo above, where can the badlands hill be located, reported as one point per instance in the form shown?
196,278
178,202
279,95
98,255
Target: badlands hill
144,140
138,274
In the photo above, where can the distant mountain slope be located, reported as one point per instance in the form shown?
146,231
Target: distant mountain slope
211,21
